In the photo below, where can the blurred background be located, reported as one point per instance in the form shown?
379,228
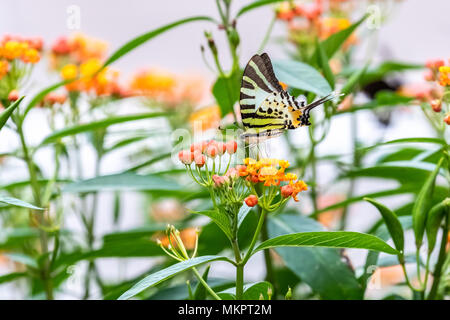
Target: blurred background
414,32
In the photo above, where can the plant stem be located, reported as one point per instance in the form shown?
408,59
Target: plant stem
261,220
270,273
239,281
205,284
45,272
441,259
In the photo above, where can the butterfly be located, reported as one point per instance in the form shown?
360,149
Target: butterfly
266,109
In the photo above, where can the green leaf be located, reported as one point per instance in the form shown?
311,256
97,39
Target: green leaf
392,223
165,274
321,268
226,91
405,172
254,291
324,65
151,161
24,259
200,290
423,204
136,42
353,80
219,218
332,44
299,75
18,203
5,114
100,124
124,181
372,257
12,276
256,4
180,292
383,99
434,219
386,68
329,239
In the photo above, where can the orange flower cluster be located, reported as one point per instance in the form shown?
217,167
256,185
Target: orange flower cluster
13,48
272,172
91,79
307,21
170,89
76,49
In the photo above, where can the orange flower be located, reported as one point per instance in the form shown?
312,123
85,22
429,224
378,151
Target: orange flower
4,67
205,118
298,186
31,56
444,79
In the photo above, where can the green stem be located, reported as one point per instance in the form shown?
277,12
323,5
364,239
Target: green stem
239,281
267,35
255,236
205,284
270,273
45,272
441,259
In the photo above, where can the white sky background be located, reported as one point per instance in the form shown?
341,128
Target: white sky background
416,31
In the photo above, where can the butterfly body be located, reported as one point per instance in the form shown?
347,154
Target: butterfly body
266,109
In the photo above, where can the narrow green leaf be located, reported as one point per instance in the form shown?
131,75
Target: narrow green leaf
329,239
100,124
324,65
150,161
434,219
167,273
254,5
5,114
302,76
353,80
243,212
392,223
12,276
24,259
219,218
423,204
332,44
136,42
17,203
124,181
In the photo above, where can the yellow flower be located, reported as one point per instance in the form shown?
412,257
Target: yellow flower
13,49
69,71
90,67
444,79
298,186
31,56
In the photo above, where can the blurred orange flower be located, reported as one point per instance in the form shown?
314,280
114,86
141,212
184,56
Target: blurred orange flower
208,118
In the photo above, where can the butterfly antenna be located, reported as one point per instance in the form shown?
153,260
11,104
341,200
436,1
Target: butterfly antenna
316,103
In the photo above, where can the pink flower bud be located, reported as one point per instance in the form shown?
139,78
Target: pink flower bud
185,156
13,95
221,148
199,160
218,180
212,150
232,173
251,200
231,146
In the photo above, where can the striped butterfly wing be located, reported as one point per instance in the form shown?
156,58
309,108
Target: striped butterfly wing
263,109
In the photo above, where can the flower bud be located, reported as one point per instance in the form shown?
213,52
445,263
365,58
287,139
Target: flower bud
185,156
231,146
218,180
251,200
221,148
436,105
428,76
212,150
13,95
286,191
447,119
199,160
